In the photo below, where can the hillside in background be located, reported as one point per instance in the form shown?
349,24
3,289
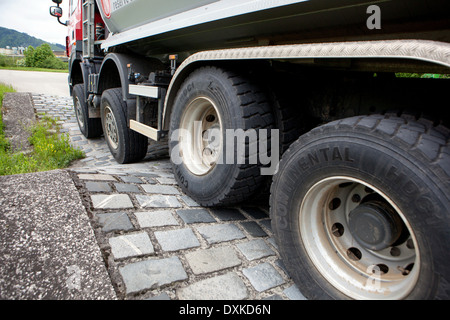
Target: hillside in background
13,38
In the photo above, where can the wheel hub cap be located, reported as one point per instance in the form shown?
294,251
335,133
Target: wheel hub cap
374,225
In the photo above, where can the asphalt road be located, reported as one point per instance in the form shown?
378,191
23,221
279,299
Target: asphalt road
48,83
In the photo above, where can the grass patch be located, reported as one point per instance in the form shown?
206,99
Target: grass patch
422,75
51,148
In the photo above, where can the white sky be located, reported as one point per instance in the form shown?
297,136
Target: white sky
33,17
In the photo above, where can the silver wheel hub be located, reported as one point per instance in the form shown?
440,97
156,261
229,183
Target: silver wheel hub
200,139
111,131
359,240
79,113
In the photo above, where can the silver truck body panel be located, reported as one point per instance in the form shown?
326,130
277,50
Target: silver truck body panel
153,28
138,19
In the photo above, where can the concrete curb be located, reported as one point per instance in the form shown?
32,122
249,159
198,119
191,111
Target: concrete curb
47,245
18,116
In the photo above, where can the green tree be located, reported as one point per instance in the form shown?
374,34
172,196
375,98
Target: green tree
29,56
43,55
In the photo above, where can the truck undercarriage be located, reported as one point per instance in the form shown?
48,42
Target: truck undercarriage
353,95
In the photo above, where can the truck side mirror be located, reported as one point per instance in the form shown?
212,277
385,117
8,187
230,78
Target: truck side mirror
56,11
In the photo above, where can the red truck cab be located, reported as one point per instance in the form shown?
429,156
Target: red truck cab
75,25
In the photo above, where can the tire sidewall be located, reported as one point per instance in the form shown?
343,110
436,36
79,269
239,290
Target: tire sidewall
390,169
78,93
109,100
209,83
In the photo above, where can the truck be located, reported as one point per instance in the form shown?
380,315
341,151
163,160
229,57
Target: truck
336,112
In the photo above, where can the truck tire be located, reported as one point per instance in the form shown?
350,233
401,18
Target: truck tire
218,100
360,209
125,144
90,128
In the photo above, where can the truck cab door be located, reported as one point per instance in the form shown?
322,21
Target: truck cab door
75,35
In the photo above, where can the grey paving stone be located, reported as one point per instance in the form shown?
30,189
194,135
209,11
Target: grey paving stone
99,164
97,177
150,180
160,189
126,187
131,245
253,229
279,263
228,214
153,273
82,143
146,175
273,242
255,249
226,287
156,219
113,201
195,216
214,259
255,212
157,201
104,158
220,233
293,293
267,224
166,180
174,240
263,276
94,186
115,221
189,201
131,179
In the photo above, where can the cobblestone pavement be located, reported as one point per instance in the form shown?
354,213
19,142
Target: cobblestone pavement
158,243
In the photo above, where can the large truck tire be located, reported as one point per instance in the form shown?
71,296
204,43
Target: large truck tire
89,127
217,100
360,209
125,144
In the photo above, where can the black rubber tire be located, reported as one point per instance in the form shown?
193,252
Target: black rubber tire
407,159
243,105
131,146
92,127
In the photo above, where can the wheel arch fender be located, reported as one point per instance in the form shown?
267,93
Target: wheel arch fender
114,72
75,72
175,84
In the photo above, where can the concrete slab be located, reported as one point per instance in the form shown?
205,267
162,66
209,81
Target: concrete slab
18,116
47,246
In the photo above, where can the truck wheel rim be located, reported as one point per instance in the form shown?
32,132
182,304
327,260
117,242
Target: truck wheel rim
79,113
112,133
200,138
341,252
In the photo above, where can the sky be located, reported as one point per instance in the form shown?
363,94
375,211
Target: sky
33,17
